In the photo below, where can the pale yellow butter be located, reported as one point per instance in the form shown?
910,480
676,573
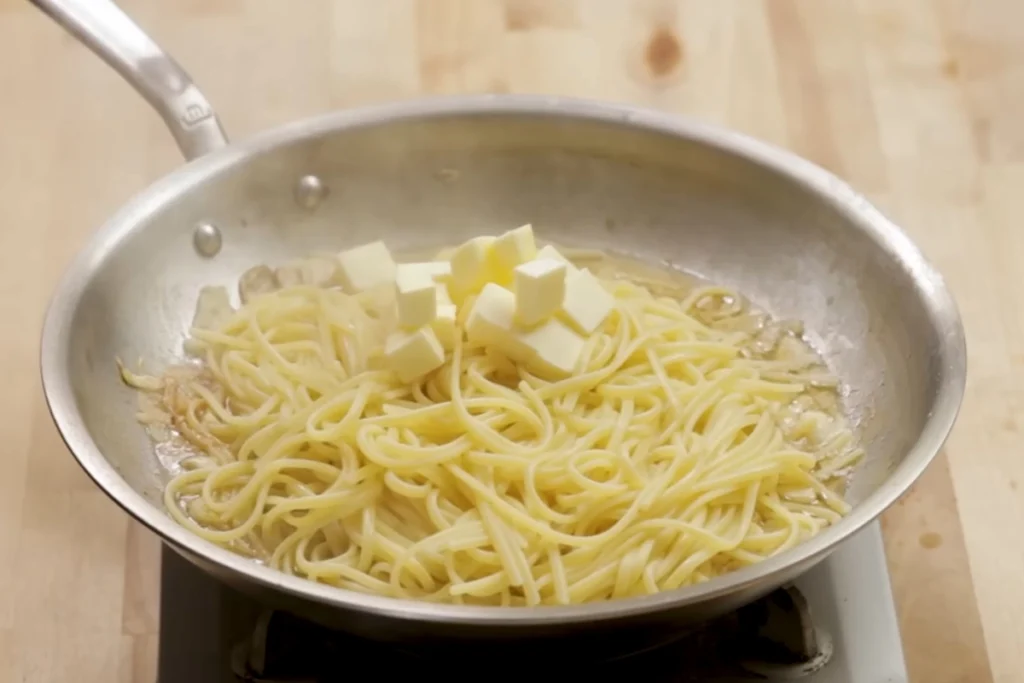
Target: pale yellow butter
491,321
443,297
435,270
444,325
472,266
587,304
413,354
415,297
365,267
554,350
539,288
515,247
446,322
550,252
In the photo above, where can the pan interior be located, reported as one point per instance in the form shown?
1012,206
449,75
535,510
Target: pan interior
420,183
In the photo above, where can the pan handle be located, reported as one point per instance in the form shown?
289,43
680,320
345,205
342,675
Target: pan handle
103,28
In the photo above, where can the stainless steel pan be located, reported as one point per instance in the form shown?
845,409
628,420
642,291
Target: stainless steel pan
432,172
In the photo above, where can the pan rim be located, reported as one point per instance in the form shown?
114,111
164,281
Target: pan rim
938,302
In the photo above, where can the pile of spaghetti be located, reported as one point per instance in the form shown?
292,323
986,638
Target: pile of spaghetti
697,436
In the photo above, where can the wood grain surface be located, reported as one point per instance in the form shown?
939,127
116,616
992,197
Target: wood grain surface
919,103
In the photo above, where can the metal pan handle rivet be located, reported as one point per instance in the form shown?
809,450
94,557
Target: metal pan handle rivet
207,240
310,191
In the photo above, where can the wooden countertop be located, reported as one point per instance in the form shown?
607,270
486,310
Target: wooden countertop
919,103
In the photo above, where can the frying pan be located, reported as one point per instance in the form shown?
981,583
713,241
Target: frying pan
433,172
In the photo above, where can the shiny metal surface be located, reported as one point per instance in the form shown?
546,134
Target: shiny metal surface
425,173
207,240
310,191
108,32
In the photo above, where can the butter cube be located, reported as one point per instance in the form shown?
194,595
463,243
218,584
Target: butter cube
539,288
415,296
491,321
549,252
444,325
472,265
515,247
435,270
443,298
365,267
587,304
413,354
554,350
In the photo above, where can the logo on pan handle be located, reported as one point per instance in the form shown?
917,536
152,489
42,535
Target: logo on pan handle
194,114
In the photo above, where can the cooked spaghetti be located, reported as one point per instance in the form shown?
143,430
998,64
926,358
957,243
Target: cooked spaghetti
696,436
